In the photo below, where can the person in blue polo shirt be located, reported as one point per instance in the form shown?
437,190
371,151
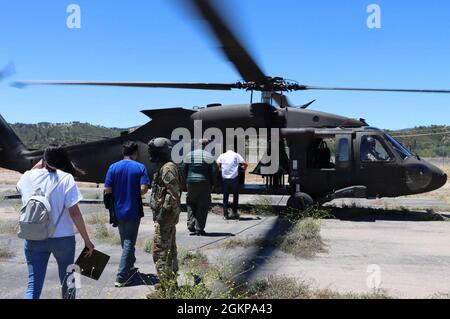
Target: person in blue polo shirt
127,180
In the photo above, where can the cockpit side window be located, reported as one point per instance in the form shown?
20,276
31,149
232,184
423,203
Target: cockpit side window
374,150
398,147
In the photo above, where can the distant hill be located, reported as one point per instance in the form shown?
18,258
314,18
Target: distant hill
39,136
427,141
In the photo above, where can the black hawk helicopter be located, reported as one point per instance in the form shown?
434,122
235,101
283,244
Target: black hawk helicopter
367,163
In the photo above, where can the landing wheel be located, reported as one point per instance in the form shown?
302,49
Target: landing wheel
299,202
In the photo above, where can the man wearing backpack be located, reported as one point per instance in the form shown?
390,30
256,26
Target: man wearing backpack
50,198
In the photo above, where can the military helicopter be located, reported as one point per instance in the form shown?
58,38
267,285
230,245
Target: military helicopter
367,163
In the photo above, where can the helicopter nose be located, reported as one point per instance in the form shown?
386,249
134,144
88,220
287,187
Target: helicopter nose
422,177
439,179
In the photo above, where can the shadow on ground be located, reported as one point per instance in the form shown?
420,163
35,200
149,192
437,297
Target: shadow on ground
364,214
260,255
140,279
215,234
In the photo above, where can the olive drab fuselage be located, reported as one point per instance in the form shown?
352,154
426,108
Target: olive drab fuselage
301,132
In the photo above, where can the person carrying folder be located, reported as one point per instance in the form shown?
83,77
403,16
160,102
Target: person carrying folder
53,177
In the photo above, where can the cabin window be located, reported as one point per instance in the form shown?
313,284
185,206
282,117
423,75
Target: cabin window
343,153
374,150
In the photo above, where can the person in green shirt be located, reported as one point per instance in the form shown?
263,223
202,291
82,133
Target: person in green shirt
199,170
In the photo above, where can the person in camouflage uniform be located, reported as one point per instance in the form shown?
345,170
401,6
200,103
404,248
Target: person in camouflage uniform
165,204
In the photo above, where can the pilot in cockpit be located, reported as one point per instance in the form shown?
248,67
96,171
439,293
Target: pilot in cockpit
369,152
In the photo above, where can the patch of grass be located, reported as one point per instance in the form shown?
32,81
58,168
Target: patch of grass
313,211
199,280
277,287
8,227
103,234
262,207
6,253
304,239
273,287
247,242
195,292
92,196
97,218
376,294
148,246
282,287
191,259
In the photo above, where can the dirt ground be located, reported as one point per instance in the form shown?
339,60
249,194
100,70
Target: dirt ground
8,177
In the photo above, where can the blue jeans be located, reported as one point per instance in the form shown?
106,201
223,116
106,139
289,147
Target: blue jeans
38,253
128,230
230,186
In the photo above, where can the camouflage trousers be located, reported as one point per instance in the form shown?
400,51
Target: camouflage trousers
165,252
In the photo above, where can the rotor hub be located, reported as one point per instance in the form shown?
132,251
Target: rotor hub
272,84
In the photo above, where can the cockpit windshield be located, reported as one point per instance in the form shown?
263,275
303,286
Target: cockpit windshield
399,148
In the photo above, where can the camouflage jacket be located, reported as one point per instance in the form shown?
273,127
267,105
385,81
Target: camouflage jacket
166,193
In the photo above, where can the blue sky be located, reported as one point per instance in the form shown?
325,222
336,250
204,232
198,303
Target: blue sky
322,42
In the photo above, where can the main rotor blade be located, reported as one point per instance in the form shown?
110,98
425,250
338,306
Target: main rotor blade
7,71
193,86
229,43
324,88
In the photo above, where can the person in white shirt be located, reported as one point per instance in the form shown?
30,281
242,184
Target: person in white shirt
229,164
54,168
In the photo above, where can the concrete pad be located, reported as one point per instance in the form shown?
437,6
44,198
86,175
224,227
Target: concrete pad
413,257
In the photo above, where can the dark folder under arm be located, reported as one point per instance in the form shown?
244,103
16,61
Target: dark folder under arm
93,265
